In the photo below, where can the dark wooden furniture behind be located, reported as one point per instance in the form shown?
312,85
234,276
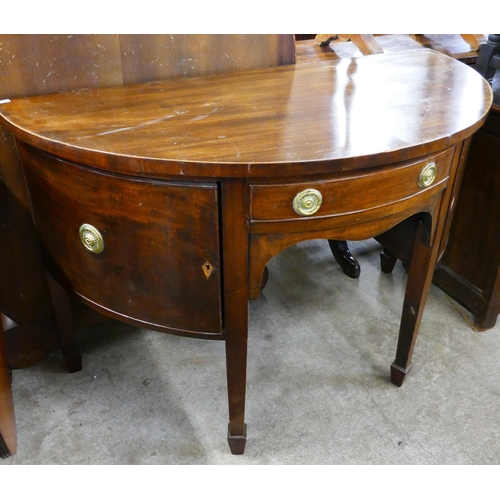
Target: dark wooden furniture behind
161,203
470,268
452,45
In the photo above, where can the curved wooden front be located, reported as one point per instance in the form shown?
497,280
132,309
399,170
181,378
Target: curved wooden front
265,246
354,207
185,176
160,264
348,194
307,119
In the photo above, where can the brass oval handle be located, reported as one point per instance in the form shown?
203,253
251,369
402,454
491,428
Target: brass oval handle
428,175
91,238
307,202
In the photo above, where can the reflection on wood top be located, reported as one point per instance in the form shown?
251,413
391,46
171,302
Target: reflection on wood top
370,110
452,45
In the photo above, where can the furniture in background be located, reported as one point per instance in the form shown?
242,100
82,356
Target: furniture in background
452,45
367,44
8,437
469,271
208,193
42,64
488,61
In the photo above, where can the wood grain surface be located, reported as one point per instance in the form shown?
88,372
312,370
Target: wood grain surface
205,154
377,109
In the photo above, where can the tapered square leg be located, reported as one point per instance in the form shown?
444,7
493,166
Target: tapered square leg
236,354
236,292
237,443
423,263
398,374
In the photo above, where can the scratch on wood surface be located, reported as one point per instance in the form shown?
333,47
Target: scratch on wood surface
125,129
201,117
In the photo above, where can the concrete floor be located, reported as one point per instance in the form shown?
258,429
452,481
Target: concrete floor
318,392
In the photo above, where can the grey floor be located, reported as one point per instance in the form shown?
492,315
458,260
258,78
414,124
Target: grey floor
318,392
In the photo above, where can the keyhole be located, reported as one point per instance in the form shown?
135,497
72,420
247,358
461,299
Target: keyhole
207,269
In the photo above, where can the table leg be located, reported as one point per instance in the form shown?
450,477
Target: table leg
236,292
236,358
423,263
65,330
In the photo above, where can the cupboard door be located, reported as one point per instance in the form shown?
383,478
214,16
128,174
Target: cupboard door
159,262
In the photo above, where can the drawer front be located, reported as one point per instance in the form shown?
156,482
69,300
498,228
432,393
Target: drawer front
281,202
160,258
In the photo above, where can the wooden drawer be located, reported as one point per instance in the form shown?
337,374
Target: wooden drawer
160,263
275,202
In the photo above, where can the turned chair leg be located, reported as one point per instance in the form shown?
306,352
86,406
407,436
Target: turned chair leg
64,319
344,258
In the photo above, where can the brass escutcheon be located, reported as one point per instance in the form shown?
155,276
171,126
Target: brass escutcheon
427,176
307,202
91,238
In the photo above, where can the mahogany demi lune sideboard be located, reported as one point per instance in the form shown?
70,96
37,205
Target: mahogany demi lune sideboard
161,203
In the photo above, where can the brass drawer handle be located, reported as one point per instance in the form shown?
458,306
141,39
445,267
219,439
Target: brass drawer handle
307,202
91,238
427,176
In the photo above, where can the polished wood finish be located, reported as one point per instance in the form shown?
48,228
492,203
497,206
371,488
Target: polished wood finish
180,238
450,44
358,192
208,127
325,126
42,64
340,250
367,46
